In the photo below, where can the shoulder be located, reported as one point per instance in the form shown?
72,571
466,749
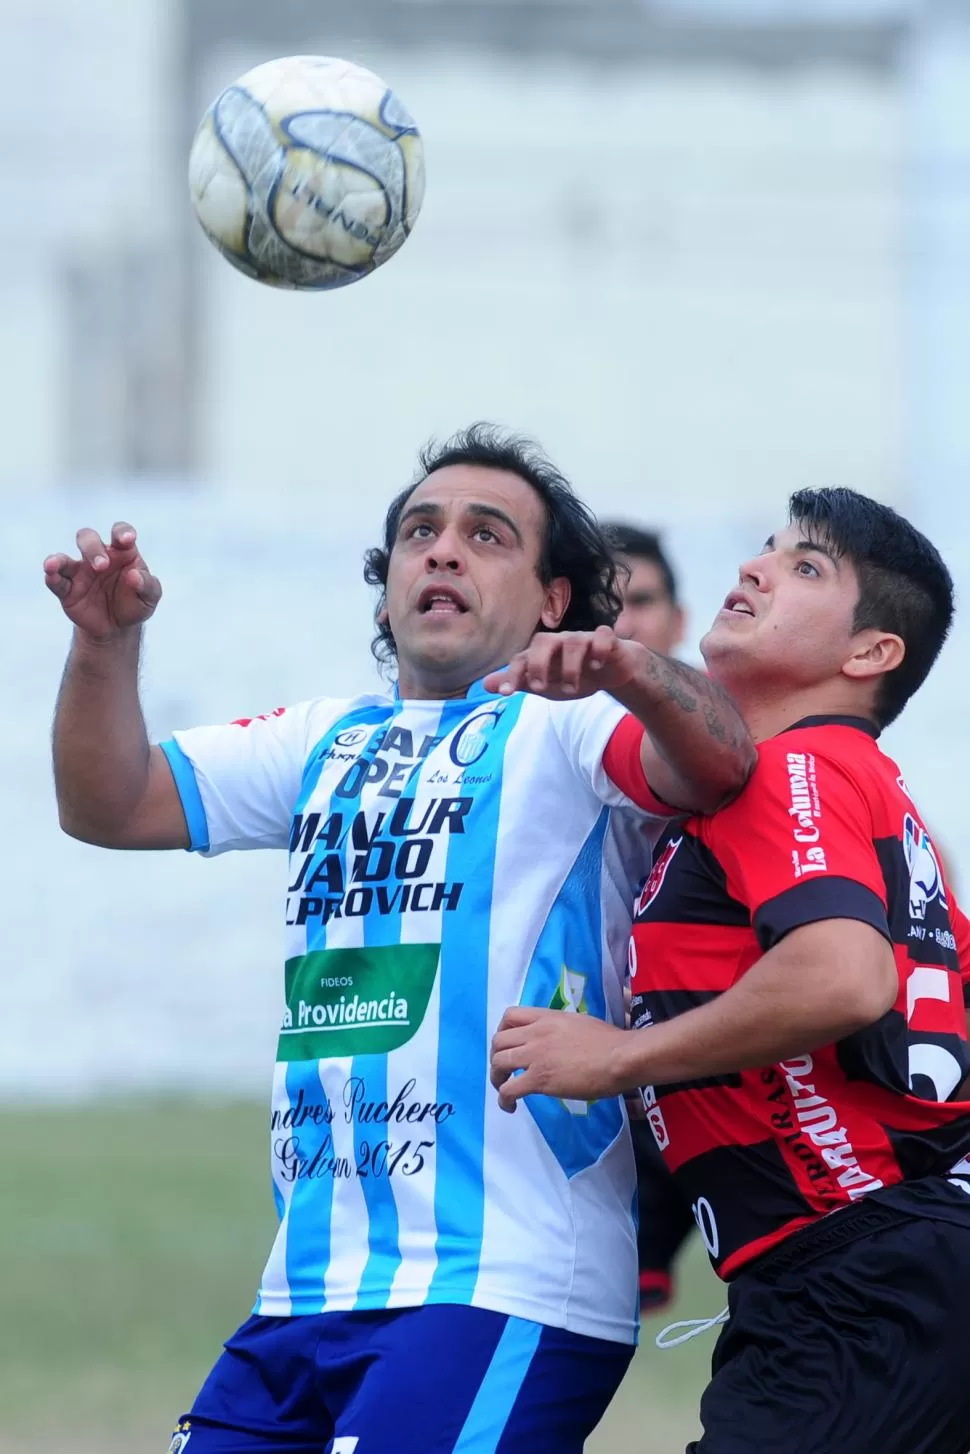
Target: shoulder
799,775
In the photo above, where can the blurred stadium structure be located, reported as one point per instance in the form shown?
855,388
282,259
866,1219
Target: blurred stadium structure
708,251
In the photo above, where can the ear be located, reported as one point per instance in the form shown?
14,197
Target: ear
680,625
383,616
556,603
874,654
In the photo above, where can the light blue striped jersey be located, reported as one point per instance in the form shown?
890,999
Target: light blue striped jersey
447,860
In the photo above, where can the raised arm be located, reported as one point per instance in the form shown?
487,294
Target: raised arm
695,751
113,788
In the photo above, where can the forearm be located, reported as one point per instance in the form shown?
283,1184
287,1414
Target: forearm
702,752
101,747
793,1000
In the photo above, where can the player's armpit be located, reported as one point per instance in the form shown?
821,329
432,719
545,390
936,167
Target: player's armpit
159,820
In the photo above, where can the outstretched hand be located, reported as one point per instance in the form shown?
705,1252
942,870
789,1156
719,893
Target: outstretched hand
562,665
552,1053
109,589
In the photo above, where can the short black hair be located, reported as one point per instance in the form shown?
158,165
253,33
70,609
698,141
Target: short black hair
636,544
904,586
574,544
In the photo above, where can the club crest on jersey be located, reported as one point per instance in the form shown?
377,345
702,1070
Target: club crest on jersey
181,1437
925,878
658,873
471,740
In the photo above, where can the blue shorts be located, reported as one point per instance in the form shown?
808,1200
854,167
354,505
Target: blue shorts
439,1379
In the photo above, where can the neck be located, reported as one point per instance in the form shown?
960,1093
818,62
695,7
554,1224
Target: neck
423,686
767,713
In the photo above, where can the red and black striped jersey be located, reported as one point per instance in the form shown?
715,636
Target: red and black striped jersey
825,829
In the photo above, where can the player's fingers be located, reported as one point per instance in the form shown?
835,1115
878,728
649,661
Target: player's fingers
603,644
514,1089
59,584
147,587
572,661
542,669
93,549
59,573
123,535
505,1063
512,679
521,1015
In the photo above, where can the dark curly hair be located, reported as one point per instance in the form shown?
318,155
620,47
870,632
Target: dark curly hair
574,545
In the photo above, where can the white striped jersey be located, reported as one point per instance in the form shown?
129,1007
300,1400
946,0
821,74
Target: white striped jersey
447,860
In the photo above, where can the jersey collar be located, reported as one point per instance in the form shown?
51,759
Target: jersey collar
476,693
863,724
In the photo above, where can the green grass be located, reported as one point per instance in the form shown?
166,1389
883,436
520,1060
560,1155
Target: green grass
131,1241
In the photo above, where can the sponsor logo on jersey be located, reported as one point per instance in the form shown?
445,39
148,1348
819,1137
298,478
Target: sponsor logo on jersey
819,1122
471,740
805,810
355,1001
655,1117
925,878
655,881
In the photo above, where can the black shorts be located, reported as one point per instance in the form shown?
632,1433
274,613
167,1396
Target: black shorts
853,1337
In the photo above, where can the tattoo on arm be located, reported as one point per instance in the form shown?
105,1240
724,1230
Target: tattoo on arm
689,688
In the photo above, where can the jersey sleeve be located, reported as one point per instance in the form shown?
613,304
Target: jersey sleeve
797,845
239,782
602,742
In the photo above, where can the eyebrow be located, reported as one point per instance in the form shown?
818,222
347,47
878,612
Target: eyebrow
806,545
481,510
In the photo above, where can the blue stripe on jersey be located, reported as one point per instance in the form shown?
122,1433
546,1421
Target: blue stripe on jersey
188,790
311,1201
384,1230
459,1198
572,939
489,1414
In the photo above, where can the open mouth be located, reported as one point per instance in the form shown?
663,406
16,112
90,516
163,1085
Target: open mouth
737,604
441,601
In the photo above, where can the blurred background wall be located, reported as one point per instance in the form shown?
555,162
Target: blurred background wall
706,252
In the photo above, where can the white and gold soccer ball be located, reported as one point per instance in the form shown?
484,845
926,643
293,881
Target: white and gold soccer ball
307,172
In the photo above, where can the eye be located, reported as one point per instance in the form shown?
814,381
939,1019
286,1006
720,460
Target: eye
807,567
484,532
420,530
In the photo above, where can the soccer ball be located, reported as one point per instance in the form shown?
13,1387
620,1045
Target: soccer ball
307,172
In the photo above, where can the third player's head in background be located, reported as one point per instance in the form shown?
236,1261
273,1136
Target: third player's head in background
652,613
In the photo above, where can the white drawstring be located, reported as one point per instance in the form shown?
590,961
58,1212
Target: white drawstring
695,1327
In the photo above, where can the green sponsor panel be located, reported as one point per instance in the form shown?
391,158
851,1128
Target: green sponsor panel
356,1001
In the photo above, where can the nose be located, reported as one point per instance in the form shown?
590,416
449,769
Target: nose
755,572
445,553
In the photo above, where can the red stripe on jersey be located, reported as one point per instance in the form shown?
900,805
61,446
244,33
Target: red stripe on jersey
624,768
761,1245
905,1112
709,956
702,1120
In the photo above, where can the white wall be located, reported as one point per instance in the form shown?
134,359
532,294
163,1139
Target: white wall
687,286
